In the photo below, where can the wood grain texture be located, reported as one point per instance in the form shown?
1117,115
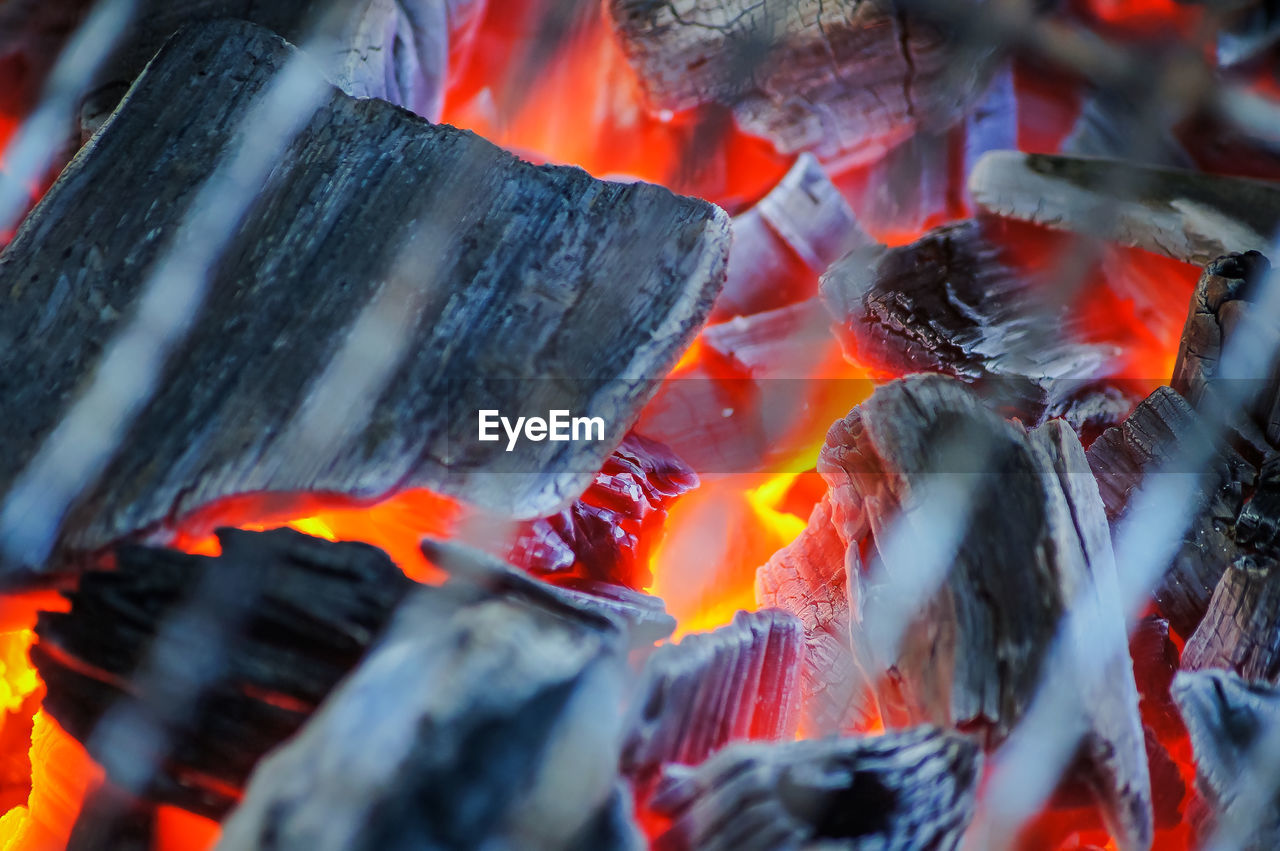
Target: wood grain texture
482,720
542,288
1035,544
847,79
1149,440
904,790
1241,629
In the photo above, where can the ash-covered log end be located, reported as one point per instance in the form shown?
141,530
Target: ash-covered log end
909,789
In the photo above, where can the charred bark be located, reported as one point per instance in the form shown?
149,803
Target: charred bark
848,79
365,194
263,632
909,789
1241,629
1148,441
482,719
958,302
734,683
1034,543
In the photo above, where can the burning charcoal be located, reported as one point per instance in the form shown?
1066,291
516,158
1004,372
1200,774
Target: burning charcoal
1241,629
1155,661
784,242
1223,296
956,302
396,50
481,720
609,533
643,617
1148,440
736,682
809,579
1186,215
471,224
1229,718
908,789
848,78
1036,542
1167,787
294,615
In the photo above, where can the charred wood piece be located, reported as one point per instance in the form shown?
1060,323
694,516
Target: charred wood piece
395,50
847,79
298,614
481,720
1036,543
1228,718
957,302
786,240
1220,306
810,578
547,243
734,683
1241,630
1186,215
642,617
608,533
1149,440
909,789
1155,662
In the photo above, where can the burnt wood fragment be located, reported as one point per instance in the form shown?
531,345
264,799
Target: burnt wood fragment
1149,440
786,240
642,617
1036,543
1155,661
810,579
364,188
296,614
1241,629
850,78
396,50
733,683
1228,718
609,532
1186,215
481,720
908,789
958,302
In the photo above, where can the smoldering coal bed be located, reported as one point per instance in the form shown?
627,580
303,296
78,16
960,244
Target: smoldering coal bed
935,502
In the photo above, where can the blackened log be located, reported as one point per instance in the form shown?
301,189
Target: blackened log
958,302
909,789
396,50
1241,629
1186,215
609,532
733,683
295,614
1036,543
849,78
1150,440
482,720
1228,718
809,578
642,617
361,184
1224,295
786,240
